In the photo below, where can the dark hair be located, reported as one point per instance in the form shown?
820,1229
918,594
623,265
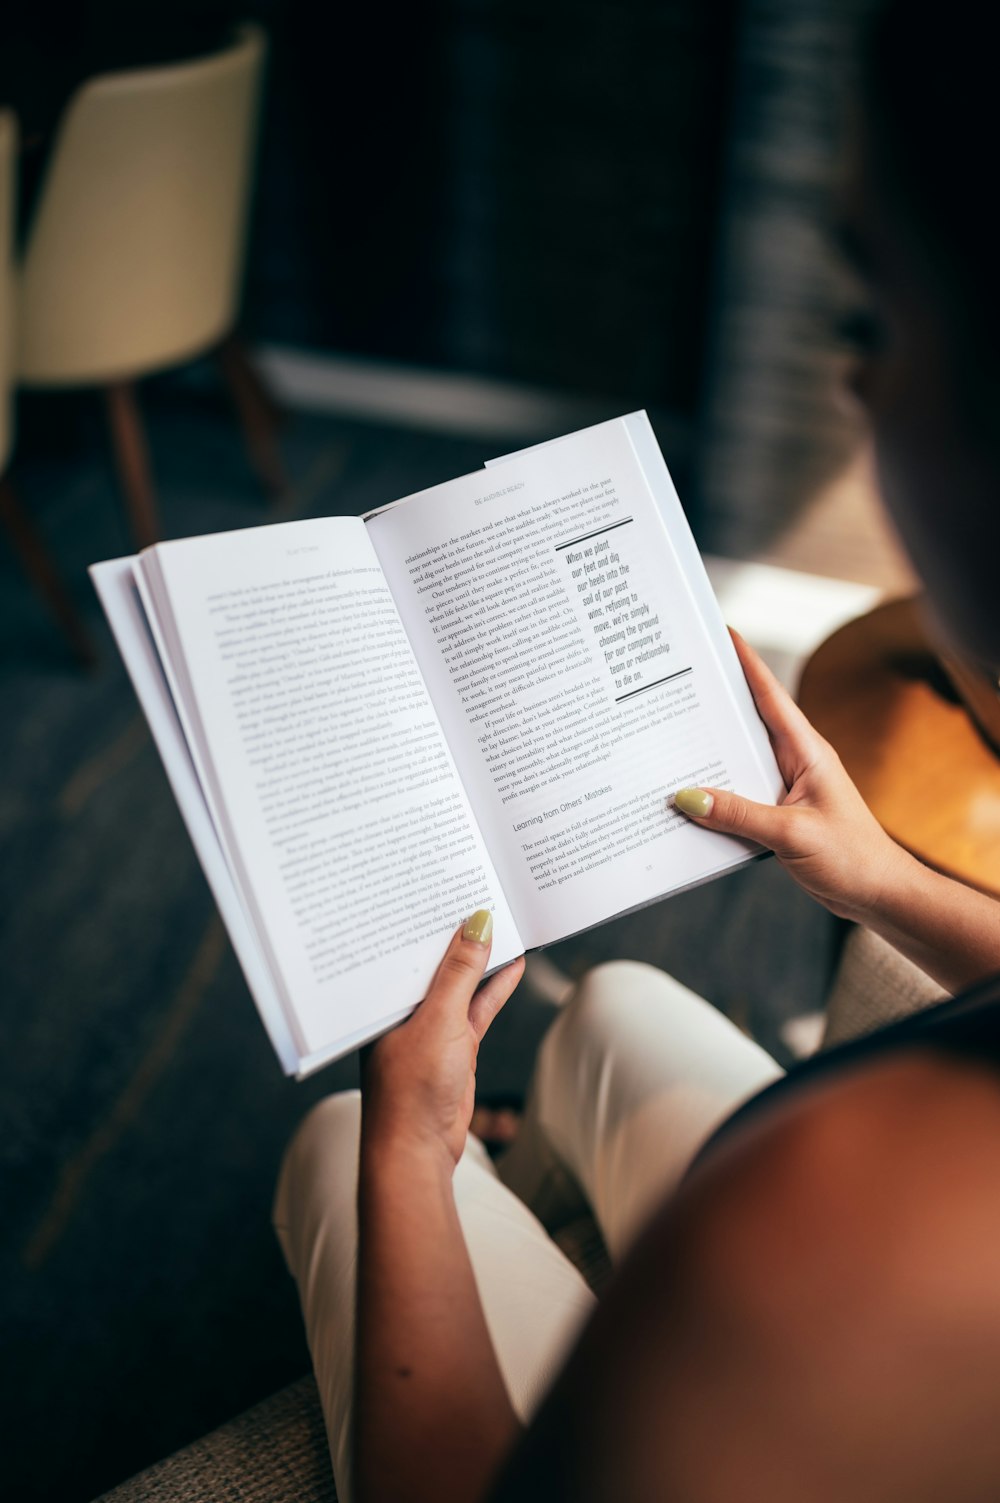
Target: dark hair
929,89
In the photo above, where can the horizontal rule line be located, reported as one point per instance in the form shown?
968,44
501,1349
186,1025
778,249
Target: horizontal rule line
643,687
588,535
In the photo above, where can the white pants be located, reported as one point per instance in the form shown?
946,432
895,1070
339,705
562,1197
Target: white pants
632,1078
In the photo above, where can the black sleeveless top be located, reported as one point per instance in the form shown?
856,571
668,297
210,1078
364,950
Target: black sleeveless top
966,1026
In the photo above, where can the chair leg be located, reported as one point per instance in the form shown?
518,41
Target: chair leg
40,570
132,459
258,412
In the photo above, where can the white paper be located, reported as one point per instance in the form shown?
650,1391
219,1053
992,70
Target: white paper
608,701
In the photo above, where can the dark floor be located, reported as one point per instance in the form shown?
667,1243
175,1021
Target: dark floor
142,1114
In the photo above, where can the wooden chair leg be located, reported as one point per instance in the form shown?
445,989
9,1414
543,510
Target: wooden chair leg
258,412
38,566
132,459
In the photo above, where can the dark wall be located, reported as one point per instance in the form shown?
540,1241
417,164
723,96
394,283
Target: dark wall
525,190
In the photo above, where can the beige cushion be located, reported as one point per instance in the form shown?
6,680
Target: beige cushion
874,985
274,1453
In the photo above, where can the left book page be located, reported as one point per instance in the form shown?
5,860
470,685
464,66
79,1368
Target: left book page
325,772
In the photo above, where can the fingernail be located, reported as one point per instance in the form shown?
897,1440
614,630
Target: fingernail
694,801
479,928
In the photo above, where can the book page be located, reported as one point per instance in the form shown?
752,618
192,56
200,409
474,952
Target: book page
575,676
331,785
115,584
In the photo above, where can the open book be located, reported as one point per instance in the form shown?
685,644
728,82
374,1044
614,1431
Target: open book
481,696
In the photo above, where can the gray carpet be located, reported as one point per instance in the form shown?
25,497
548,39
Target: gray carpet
142,1114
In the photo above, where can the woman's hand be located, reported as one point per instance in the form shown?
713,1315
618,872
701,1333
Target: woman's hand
822,832
419,1080
432,1416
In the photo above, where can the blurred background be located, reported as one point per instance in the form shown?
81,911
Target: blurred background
435,233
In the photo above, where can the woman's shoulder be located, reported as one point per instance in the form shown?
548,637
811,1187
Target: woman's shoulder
965,1026
825,1277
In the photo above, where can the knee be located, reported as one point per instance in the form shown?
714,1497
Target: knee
613,979
326,1143
620,1006
333,1119
610,992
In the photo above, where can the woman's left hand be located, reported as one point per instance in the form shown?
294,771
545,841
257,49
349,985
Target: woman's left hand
419,1080
821,831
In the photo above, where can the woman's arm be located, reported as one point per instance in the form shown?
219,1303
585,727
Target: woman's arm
951,931
432,1416
826,837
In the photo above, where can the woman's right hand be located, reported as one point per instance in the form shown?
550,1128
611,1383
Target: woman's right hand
822,832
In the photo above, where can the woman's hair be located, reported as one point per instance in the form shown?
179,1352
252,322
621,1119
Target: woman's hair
929,79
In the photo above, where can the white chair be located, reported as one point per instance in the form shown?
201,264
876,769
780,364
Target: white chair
23,537
135,255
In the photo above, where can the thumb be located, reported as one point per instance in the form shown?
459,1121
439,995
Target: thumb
731,814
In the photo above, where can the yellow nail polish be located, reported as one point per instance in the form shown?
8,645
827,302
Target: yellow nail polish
479,928
694,801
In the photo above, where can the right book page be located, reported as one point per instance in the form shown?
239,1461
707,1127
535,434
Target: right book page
581,671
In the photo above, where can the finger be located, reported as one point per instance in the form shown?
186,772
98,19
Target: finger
793,737
730,814
492,995
462,967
